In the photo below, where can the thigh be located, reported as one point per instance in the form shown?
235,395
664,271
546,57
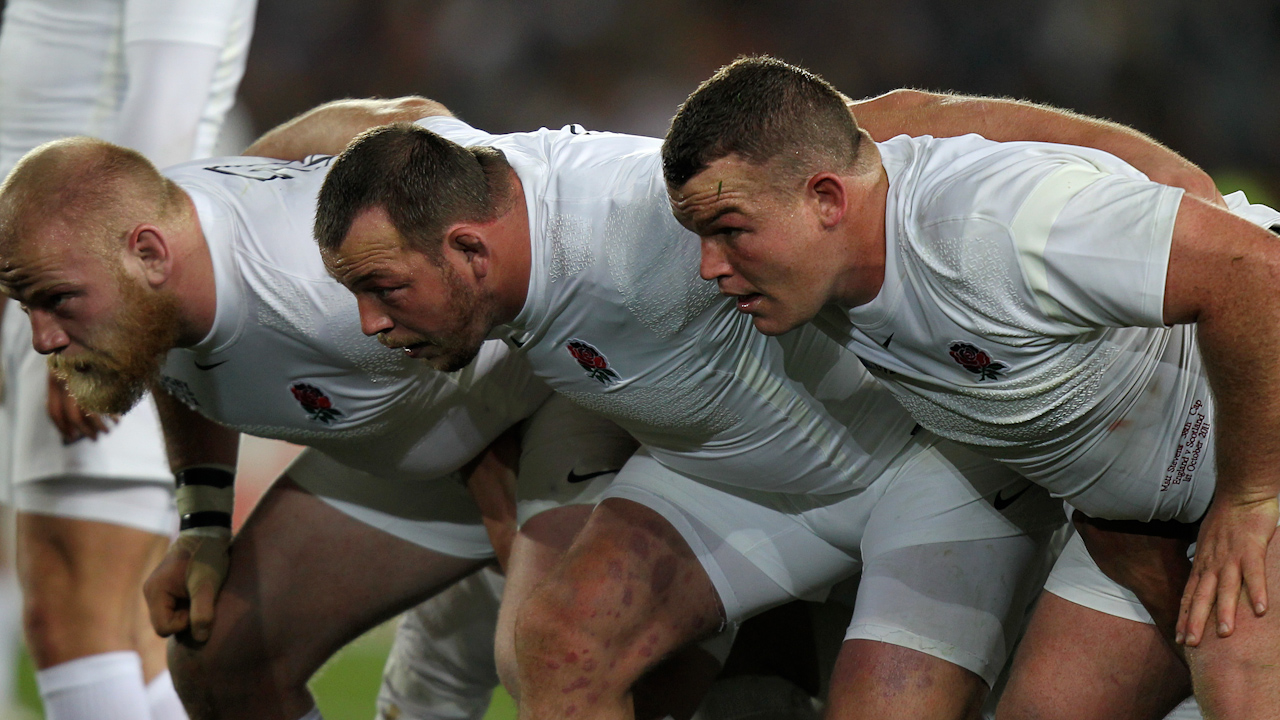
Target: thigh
1076,663
1235,676
538,547
65,557
305,579
82,582
628,592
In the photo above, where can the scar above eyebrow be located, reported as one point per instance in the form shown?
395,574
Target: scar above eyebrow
719,187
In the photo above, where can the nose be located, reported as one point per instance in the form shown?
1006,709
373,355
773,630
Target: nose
372,319
714,265
46,335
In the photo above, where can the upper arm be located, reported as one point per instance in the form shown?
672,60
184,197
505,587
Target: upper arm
1219,264
327,129
915,112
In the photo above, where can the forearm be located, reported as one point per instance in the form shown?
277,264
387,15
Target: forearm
916,112
192,439
327,129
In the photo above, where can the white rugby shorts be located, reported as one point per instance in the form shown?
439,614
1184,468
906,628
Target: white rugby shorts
568,456
943,571
121,478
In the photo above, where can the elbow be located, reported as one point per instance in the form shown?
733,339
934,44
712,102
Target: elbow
410,108
906,99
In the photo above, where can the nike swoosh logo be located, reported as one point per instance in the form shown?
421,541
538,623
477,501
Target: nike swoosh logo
1001,503
576,478
211,365
887,340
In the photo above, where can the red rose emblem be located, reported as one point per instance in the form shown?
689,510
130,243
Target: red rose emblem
976,361
592,360
313,400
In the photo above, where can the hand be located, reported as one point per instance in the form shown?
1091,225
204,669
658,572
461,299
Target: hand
72,422
181,591
1231,551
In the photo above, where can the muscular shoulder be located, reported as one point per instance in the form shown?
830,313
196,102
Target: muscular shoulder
263,208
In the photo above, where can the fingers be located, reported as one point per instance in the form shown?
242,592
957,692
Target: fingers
166,592
166,604
1201,591
1228,593
201,616
1255,582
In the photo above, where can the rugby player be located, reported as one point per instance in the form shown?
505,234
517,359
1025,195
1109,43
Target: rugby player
95,511
1050,306
207,283
762,477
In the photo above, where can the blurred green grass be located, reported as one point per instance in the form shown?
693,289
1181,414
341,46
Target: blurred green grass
345,688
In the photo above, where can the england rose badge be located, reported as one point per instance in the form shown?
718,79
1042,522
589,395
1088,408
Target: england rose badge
977,361
593,361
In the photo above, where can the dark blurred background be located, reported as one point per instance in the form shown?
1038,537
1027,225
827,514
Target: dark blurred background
1202,77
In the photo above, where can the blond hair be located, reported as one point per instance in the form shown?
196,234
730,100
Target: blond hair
98,189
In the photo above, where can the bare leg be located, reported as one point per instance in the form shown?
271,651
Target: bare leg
536,550
629,592
304,580
880,680
1238,677
83,586
1076,663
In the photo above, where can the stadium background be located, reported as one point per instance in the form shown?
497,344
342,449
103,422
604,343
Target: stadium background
1202,77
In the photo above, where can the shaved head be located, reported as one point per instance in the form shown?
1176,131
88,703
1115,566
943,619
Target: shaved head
67,211
95,190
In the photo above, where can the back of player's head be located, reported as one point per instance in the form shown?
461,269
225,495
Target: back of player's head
97,189
423,181
761,109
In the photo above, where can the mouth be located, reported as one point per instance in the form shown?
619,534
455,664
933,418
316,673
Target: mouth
748,303
417,350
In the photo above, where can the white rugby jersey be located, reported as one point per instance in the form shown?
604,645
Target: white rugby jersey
286,358
1022,311
617,319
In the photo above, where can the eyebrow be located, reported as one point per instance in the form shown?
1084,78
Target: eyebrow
717,215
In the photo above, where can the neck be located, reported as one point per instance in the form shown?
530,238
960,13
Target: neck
864,244
191,280
511,284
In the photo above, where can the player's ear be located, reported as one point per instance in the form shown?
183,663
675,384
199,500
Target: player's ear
148,246
830,197
470,240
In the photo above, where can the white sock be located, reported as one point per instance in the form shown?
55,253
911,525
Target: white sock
163,699
108,686
313,715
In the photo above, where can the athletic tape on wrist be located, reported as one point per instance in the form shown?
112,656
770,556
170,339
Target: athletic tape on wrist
205,496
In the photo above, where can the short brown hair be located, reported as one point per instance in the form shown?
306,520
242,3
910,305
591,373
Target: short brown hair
423,181
761,108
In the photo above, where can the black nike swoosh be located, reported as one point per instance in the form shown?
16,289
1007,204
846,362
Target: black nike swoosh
211,366
576,478
887,340
1001,503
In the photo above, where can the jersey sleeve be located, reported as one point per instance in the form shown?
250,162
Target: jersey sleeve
202,22
1046,240
1094,246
